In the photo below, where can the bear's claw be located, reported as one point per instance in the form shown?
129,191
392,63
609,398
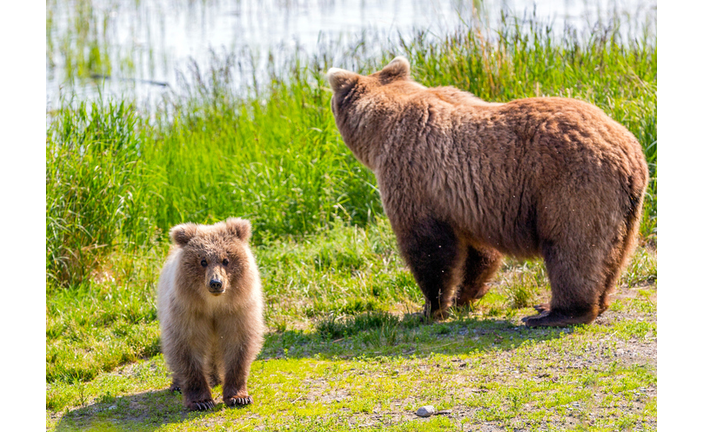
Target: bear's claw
238,400
201,405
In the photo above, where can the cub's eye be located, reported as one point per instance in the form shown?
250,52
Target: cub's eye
225,261
203,263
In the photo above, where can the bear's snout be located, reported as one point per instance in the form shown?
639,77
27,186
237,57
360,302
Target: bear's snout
216,286
216,279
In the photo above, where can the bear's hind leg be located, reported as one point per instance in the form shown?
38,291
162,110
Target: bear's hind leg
575,292
431,250
618,257
614,269
480,266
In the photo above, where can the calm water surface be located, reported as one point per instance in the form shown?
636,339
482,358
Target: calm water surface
137,49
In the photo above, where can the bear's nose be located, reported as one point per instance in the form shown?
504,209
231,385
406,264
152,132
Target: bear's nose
216,284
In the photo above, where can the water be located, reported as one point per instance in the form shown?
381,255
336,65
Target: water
138,49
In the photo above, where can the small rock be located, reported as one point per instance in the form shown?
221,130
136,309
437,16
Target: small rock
426,411
112,407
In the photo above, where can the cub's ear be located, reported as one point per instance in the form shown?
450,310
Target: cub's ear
183,233
397,69
240,228
340,78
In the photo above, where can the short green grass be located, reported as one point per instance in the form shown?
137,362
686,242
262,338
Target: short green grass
341,354
345,347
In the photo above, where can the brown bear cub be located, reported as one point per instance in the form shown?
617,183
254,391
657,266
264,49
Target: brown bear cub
464,181
210,307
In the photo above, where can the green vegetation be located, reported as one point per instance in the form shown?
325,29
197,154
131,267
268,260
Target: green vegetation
345,347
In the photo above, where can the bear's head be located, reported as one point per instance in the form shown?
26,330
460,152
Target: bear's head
362,105
215,258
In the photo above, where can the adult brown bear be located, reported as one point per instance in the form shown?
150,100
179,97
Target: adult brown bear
464,181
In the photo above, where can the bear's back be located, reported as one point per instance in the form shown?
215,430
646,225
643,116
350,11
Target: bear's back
485,166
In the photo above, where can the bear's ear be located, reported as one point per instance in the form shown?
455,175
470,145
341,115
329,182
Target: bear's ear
397,69
240,228
183,233
340,78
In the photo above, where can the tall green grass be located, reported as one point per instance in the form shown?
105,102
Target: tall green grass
276,159
96,190
115,178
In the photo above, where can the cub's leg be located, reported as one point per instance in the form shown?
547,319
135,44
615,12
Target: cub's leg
480,265
576,285
195,388
214,364
431,250
187,362
237,363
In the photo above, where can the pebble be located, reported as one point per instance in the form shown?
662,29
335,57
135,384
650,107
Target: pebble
426,411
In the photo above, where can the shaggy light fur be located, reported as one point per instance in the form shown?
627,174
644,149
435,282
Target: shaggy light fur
210,307
464,181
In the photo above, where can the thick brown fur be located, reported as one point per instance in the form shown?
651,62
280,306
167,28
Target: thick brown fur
210,307
464,181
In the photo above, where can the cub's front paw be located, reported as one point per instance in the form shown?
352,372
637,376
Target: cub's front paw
200,405
239,399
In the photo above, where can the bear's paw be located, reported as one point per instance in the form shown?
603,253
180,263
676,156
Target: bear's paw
200,405
238,399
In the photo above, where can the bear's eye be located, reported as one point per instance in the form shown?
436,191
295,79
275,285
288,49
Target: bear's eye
225,261
203,263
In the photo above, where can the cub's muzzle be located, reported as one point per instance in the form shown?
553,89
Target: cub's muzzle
216,287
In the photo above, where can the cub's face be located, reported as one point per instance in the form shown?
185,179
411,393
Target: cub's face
215,263
215,256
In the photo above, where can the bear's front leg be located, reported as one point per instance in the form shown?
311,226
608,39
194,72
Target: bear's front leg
193,383
234,391
431,249
198,397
